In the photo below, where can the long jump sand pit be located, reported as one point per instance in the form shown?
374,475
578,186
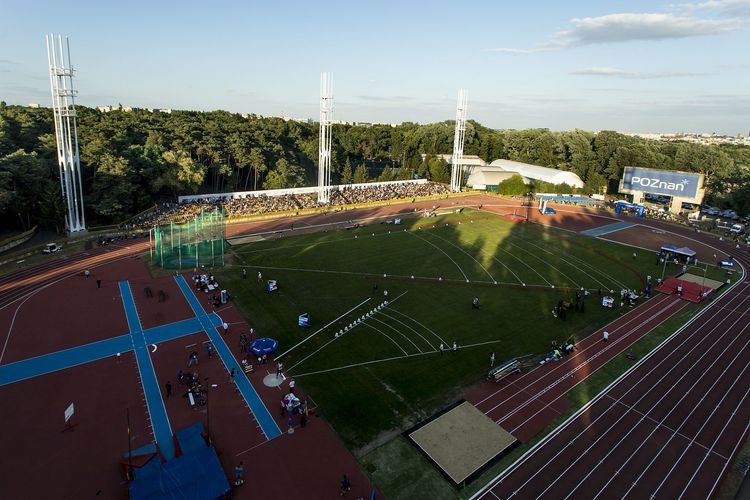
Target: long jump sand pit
461,441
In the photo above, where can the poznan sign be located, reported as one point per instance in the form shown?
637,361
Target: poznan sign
670,183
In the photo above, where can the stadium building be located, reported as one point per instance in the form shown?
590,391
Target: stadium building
487,177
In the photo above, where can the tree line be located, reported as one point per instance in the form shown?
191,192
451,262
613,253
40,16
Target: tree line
130,160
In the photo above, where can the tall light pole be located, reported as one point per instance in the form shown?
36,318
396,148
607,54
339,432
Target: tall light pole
66,131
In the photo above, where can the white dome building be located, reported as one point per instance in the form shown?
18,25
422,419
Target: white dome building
534,172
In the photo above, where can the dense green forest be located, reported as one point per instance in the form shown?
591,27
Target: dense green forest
129,160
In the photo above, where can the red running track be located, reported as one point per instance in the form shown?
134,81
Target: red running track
524,405
667,429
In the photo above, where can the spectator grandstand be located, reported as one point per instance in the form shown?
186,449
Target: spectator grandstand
236,207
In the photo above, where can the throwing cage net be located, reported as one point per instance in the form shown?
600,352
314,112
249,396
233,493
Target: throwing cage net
195,243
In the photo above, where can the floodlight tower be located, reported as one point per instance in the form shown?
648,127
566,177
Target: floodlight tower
324,149
66,130
458,142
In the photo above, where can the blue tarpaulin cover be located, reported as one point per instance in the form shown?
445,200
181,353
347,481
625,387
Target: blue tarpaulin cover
196,475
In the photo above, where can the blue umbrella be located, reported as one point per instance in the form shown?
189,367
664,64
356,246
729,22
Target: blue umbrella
263,346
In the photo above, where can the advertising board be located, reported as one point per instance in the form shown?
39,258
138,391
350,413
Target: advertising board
667,182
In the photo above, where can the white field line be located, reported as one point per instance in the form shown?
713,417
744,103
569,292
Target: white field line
518,259
388,337
581,262
277,247
467,253
410,328
332,340
321,329
543,261
443,252
397,331
643,395
614,447
644,310
364,363
567,261
604,392
419,323
326,224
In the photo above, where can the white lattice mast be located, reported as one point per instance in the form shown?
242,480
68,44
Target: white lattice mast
66,130
324,149
458,142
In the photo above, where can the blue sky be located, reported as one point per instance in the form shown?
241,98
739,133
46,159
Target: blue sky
629,66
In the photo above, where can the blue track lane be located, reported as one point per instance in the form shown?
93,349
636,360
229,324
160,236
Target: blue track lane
48,363
209,323
172,330
151,390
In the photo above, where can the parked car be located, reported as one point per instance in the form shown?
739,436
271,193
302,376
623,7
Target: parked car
52,248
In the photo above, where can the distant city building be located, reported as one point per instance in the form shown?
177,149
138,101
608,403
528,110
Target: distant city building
33,105
706,139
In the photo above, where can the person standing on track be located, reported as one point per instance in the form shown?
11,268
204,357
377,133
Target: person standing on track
605,336
239,471
168,387
193,358
492,360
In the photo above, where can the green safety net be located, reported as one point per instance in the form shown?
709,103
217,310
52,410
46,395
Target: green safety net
192,244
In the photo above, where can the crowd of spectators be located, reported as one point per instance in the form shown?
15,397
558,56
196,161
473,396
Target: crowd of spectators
179,213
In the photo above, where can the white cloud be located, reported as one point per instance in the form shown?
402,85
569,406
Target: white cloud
614,28
628,27
731,7
632,75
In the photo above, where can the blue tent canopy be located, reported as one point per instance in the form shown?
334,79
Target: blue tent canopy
263,346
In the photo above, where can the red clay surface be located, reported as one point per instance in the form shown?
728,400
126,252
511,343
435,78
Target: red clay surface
308,463
68,313
154,311
40,461
669,429
653,238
